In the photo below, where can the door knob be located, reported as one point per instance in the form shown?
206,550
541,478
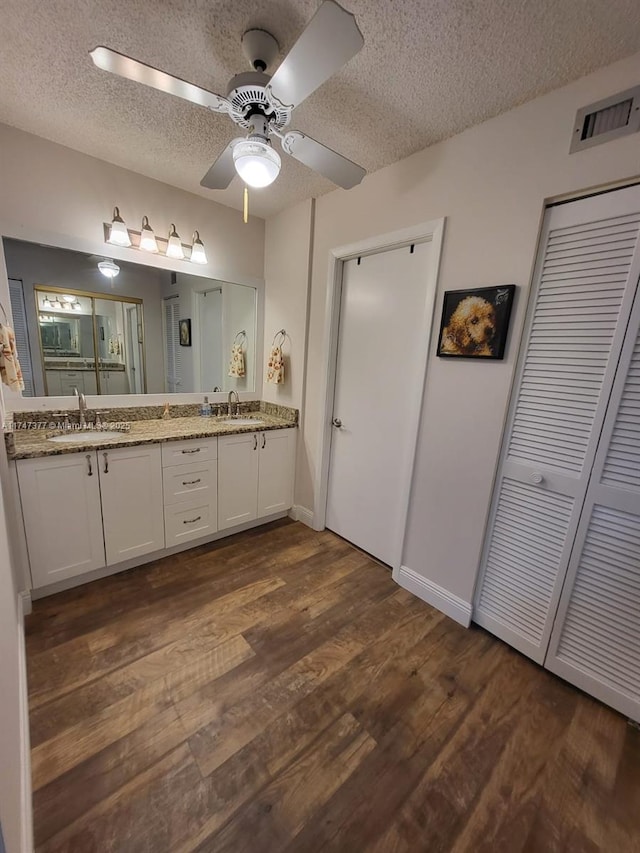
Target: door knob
536,478
337,422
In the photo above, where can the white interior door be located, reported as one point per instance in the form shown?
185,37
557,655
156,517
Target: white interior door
210,333
584,283
378,380
595,642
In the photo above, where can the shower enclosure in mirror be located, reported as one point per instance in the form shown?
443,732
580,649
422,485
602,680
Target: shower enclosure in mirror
77,329
89,344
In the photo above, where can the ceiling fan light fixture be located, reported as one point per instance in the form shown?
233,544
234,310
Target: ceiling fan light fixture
118,234
147,237
256,162
174,246
108,269
198,254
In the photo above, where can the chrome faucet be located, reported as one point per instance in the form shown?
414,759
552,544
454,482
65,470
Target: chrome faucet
82,407
230,403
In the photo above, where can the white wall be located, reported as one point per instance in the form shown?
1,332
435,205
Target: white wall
490,182
15,783
56,196
286,273
41,265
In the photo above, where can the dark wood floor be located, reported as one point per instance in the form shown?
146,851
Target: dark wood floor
276,691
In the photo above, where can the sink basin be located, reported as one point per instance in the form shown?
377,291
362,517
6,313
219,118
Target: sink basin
93,436
242,421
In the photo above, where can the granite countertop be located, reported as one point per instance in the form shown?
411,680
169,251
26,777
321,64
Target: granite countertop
31,443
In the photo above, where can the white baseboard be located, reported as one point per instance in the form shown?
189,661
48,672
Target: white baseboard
440,598
25,603
25,741
301,513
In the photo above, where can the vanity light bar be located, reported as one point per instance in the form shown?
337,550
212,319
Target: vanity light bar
167,246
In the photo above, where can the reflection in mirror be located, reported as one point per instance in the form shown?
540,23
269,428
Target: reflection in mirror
85,346
77,329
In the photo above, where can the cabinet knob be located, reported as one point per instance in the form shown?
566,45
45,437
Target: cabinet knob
536,478
337,422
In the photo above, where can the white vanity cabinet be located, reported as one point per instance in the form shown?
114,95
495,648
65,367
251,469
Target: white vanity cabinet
190,487
85,510
60,498
131,488
255,475
94,509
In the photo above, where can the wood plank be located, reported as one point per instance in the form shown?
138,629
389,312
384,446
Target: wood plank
278,813
193,660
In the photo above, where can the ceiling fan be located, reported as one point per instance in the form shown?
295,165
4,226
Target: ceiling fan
263,104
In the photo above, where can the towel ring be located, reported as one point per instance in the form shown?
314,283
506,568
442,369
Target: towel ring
281,334
243,337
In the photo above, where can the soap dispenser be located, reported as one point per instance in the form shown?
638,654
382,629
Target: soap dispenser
205,408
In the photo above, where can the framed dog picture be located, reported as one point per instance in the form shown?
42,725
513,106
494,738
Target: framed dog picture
184,327
475,322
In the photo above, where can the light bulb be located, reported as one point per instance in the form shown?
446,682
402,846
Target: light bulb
147,237
256,162
174,246
108,268
47,303
118,234
198,254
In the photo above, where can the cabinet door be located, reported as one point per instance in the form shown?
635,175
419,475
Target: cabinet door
277,463
61,507
90,383
237,479
69,380
118,382
53,383
131,487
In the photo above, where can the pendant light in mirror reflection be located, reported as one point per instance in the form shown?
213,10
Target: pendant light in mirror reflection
145,240
108,268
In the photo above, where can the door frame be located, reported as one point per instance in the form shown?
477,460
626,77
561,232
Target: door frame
425,232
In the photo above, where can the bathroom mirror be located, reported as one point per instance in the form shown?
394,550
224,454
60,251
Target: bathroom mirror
146,330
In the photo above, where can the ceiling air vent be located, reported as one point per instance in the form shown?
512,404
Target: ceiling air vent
616,116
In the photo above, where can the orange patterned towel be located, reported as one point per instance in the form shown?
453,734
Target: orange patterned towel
236,365
10,371
275,366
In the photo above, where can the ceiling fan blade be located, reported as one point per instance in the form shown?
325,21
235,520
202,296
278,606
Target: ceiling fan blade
223,170
329,41
321,159
125,66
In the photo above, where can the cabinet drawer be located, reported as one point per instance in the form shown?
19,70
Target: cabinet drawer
186,521
195,481
181,452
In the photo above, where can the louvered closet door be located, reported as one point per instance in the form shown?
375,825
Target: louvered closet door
583,290
595,642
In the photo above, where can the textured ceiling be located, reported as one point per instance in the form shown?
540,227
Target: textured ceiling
429,69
